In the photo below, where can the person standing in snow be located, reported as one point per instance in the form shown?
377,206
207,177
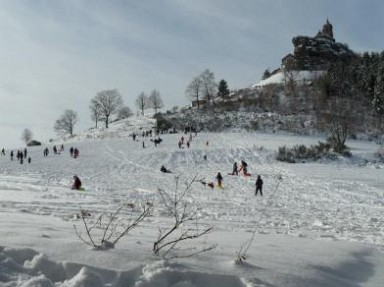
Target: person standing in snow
219,180
244,167
3,151
259,185
46,152
71,151
11,154
234,170
75,153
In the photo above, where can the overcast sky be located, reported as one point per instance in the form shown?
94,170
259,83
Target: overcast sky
56,55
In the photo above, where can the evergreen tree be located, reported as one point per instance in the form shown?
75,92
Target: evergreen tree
266,74
223,90
378,95
366,77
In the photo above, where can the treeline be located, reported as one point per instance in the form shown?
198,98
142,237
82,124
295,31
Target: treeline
353,92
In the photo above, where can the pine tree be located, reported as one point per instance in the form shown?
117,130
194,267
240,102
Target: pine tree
223,90
378,95
266,74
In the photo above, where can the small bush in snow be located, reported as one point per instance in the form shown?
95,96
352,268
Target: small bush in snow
301,152
103,231
184,226
285,154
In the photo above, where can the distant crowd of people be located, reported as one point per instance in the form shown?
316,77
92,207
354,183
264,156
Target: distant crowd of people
22,155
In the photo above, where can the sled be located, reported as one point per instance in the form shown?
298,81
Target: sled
81,189
247,174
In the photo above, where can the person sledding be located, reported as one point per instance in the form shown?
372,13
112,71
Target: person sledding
77,183
164,169
210,184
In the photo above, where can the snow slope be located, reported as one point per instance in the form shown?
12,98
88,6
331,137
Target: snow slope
318,224
279,78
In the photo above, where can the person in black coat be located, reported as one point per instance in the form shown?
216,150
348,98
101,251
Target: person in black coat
219,180
259,185
244,167
235,171
163,169
77,182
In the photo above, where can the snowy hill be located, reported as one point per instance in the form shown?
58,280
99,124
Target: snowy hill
318,224
301,77
118,129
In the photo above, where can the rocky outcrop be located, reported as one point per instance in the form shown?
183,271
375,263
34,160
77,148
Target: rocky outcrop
316,53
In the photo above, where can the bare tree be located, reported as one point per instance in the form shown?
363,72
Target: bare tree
108,102
104,231
124,113
27,135
194,89
291,78
142,102
95,112
185,222
155,100
209,85
66,123
339,130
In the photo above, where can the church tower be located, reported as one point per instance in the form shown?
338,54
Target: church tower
328,29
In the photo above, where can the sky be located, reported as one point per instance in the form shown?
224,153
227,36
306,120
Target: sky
56,55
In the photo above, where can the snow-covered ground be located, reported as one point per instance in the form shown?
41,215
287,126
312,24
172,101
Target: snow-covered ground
298,76
318,224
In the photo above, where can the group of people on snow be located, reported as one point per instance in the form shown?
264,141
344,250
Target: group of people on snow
58,150
235,171
74,152
187,142
20,155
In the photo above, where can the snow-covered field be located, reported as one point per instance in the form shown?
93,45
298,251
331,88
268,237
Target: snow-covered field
318,224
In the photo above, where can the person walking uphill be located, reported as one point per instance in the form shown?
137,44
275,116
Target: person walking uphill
259,185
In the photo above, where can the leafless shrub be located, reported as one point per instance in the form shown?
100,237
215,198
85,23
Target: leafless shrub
185,223
105,230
